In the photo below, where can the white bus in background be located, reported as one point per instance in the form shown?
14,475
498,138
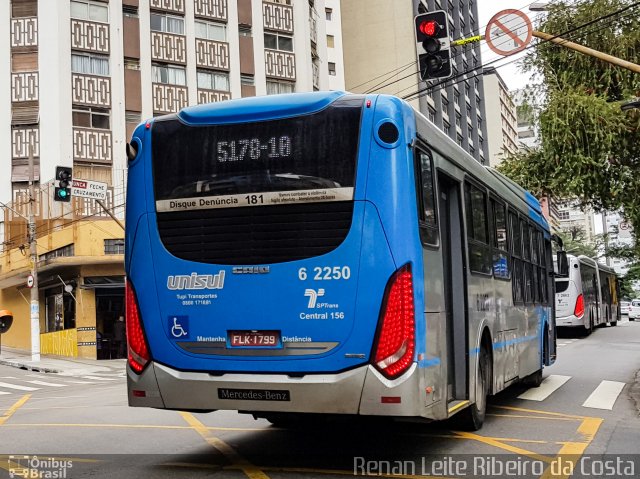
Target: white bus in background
588,296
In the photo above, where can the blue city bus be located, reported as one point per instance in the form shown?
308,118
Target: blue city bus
328,253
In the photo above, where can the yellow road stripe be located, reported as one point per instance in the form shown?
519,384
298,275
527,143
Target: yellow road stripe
302,470
506,447
545,418
20,402
536,411
563,467
458,406
251,471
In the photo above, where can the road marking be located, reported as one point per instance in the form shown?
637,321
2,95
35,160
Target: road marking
605,395
251,471
571,452
3,392
44,383
98,378
15,386
17,405
548,386
507,447
80,382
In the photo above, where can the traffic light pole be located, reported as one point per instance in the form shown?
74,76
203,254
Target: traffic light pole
33,250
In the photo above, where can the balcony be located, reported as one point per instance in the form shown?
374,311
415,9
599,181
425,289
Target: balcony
24,32
169,98
316,75
313,26
212,54
24,86
212,96
91,90
277,17
176,6
280,64
21,139
213,9
168,47
90,144
89,36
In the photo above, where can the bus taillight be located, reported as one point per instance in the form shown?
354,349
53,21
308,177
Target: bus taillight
396,338
138,352
579,309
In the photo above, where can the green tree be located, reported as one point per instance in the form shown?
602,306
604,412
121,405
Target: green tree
589,149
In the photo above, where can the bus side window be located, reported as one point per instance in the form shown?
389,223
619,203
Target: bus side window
501,261
480,258
427,199
517,277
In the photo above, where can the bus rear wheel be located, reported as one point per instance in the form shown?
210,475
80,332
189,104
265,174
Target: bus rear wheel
472,418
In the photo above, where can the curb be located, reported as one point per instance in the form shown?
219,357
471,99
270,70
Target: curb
634,391
39,369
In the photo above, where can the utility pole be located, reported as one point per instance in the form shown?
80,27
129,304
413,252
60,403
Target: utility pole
33,249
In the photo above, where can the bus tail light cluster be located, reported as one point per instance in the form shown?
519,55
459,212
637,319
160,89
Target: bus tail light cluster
579,309
395,346
138,351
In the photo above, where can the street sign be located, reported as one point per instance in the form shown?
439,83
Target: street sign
89,189
508,32
30,281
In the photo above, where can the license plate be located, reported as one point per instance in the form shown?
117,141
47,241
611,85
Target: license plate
254,339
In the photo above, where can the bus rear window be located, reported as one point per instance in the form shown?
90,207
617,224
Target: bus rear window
562,285
308,158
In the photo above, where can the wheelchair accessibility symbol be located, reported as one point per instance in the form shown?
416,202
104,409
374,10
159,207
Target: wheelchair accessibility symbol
178,327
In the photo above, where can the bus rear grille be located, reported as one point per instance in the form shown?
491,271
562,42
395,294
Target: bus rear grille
256,235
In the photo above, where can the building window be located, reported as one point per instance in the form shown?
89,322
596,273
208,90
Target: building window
89,11
244,30
57,253
213,80
277,87
114,246
328,13
432,114
132,64
278,42
89,64
90,117
161,22
130,11
172,75
248,80
211,31
331,41
332,68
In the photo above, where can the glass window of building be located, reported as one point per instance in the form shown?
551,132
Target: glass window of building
211,31
278,42
211,80
94,12
332,68
161,22
90,117
331,41
90,64
328,13
168,74
277,87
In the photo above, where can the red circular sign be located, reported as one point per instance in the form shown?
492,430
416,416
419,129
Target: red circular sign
508,32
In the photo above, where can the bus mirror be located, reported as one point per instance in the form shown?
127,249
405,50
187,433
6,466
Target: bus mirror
6,319
563,263
132,151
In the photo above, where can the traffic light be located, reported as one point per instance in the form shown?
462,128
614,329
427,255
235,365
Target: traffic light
433,45
63,190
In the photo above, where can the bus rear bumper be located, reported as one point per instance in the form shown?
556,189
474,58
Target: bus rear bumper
357,391
571,321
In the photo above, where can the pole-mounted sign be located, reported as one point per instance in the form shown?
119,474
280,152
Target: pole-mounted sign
508,32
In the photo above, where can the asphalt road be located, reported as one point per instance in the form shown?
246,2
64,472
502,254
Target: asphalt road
69,427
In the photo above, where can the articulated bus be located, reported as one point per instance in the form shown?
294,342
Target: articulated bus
587,297
327,253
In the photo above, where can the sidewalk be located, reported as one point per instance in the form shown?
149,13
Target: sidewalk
59,364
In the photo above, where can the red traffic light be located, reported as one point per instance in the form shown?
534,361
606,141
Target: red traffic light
429,27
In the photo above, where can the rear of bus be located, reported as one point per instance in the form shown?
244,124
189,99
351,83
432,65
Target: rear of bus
570,309
273,258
